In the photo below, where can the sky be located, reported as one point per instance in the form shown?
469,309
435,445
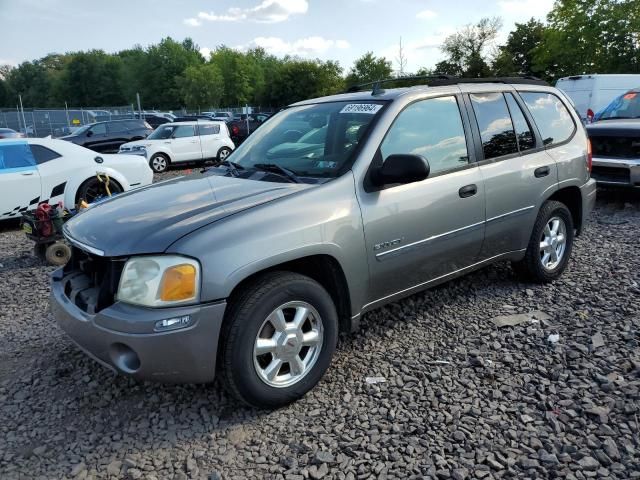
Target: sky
341,30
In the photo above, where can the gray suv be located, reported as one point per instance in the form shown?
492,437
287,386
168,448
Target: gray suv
333,207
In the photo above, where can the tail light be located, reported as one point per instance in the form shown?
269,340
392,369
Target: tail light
235,130
146,124
590,116
589,155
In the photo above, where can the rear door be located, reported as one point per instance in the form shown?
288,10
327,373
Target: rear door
185,145
19,179
517,171
209,139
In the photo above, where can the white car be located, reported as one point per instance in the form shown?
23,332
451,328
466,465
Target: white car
38,170
177,142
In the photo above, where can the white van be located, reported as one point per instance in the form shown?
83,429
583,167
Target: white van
591,93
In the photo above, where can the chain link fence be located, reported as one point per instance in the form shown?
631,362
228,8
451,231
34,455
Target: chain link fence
59,122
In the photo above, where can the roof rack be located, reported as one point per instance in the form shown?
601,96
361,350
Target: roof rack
442,80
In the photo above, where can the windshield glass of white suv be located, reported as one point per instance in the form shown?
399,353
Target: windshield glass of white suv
162,132
625,106
310,140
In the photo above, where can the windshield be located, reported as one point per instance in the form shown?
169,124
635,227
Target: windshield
310,140
162,132
625,106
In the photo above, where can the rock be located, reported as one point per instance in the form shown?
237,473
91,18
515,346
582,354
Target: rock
611,449
114,468
460,474
323,457
318,472
589,463
78,468
597,341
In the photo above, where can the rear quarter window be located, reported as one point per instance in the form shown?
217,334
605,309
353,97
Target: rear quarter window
551,116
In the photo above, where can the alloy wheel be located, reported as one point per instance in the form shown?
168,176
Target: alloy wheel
288,344
553,243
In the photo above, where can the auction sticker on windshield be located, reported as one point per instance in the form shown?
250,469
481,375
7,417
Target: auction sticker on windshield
371,108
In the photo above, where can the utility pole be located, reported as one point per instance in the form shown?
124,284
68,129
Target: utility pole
139,107
401,60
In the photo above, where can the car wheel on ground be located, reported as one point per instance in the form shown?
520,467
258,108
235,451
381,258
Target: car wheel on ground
550,245
159,162
223,153
58,254
278,339
93,189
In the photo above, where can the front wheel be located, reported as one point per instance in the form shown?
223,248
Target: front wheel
159,163
550,245
223,153
279,337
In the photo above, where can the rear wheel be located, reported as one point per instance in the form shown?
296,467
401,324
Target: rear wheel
159,162
550,245
278,340
223,153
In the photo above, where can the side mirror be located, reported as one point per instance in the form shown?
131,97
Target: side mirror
89,133
401,169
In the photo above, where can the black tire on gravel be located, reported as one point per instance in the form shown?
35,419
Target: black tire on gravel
92,188
159,163
223,153
245,319
531,267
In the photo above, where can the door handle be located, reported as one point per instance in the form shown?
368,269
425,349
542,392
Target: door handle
542,172
26,174
468,191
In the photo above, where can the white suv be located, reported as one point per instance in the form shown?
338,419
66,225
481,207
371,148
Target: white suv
183,142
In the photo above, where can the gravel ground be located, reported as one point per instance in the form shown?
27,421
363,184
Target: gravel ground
461,398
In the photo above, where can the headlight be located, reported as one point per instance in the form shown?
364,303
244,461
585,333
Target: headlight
159,281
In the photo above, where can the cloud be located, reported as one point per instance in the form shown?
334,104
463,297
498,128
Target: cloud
310,46
426,15
192,22
267,11
205,52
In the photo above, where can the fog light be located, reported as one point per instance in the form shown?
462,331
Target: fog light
172,323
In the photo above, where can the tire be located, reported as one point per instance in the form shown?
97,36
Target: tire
536,265
58,254
245,371
223,153
159,163
92,188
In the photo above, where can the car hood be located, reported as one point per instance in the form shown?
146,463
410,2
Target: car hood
150,219
615,128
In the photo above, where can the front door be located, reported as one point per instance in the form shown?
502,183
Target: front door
185,145
19,179
421,231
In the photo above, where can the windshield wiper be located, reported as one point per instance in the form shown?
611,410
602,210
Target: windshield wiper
233,167
277,169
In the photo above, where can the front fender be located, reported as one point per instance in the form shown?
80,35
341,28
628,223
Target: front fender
324,220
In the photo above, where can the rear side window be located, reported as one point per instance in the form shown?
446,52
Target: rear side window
431,128
496,128
43,154
551,116
208,129
135,125
117,127
524,135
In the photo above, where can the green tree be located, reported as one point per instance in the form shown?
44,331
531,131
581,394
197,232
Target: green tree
92,78
369,68
301,79
31,80
466,50
590,36
202,86
236,73
162,70
516,56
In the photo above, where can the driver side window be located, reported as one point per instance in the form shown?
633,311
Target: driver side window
431,128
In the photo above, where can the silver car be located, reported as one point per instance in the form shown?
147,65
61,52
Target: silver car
333,207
